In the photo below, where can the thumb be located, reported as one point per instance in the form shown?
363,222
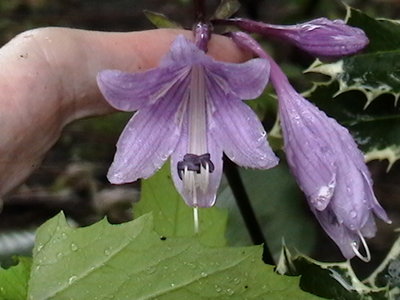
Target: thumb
48,79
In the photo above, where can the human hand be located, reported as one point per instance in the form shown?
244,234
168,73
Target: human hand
48,79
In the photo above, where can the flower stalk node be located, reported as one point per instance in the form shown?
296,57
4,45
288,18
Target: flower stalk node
202,34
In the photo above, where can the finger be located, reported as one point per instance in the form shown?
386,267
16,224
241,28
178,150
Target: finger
47,80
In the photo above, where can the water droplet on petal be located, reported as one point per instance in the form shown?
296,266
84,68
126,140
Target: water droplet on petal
349,190
353,214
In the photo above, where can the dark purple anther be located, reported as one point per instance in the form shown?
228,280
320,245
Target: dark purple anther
193,162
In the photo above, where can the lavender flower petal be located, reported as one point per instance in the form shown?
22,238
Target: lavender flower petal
324,158
126,91
341,235
148,139
246,80
347,214
320,37
310,152
238,131
184,106
184,53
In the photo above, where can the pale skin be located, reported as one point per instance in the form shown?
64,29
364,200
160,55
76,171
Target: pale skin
48,80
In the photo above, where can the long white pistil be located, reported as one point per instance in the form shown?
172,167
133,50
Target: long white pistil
354,247
196,219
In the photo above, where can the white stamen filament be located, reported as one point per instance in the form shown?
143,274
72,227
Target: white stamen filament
204,178
196,219
367,256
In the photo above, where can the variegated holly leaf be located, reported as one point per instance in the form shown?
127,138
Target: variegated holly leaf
328,280
376,70
375,73
388,273
376,128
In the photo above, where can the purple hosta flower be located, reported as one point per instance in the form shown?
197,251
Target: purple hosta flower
330,169
188,108
327,165
320,37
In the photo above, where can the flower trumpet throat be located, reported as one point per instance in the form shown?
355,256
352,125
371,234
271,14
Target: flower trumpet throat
189,108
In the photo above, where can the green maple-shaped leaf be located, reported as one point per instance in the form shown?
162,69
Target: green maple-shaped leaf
130,261
375,73
388,273
14,280
172,217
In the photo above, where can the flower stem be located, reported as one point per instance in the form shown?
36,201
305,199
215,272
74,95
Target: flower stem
200,10
245,208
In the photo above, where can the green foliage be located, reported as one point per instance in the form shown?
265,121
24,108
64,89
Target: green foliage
329,280
14,280
376,70
130,261
281,210
375,73
172,217
160,20
160,256
375,129
388,273
147,258
226,9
